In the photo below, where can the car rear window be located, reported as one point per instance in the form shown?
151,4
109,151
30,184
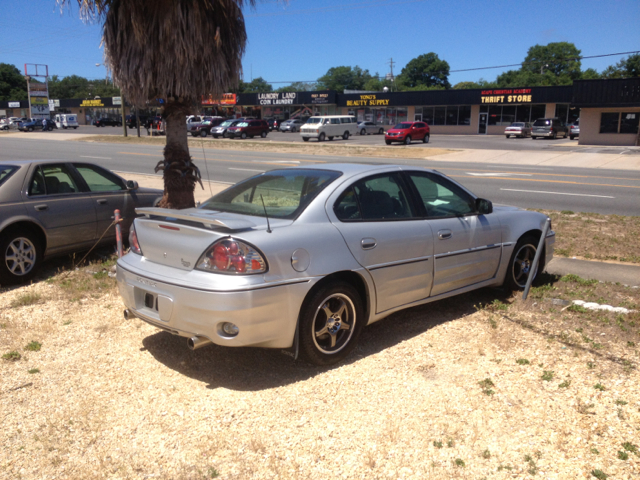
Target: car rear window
285,193
542,122
517,124
6,171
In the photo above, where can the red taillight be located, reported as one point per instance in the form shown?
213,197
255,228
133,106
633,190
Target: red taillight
134,246
232,256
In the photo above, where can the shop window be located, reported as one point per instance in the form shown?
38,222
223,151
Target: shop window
523,113
538,111
452,116
427,115
508,114
403,114
609,122
391,116
464,115
562,110
495,112
484,108
439,114
573,116
629,122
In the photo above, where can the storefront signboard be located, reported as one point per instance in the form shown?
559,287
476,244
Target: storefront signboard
92,103
14,104
320,98
369,100
227,99
116,100
282,98
508,95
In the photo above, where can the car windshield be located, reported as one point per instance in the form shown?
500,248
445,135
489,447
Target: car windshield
402,126
6,171
226,124
242,124
286,193
314,120
517,124
542,122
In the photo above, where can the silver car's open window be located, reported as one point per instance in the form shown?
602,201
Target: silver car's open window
52,179
286,193
440,197
98,179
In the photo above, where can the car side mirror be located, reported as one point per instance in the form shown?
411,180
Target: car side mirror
483,207
132,185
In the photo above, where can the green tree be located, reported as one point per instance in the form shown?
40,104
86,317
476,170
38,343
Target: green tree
298,87
175,51
590,74
625,68
257,85
561,59
425,71
344,78
481,83
13,85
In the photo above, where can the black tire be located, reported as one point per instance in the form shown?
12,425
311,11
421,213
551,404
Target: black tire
571,137
330,138
331,320
565,135
64,128
426,138
388,142
75,128
21,256
520,263
321,137
407,140
225,135
345,136
508,136
31,129
263,134
193,134
243,136
305,139
203,133
381,131
533,138
363,132
293,130
555,135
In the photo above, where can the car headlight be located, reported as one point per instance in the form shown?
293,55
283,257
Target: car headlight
231,256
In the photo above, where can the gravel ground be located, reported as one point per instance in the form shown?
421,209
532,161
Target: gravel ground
434,392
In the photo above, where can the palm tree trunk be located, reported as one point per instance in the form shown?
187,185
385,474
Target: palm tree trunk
180,174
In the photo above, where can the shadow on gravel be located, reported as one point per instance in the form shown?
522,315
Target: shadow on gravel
251,369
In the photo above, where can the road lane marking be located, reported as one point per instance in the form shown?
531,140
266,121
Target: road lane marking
498,174
101,158
556,193
246,170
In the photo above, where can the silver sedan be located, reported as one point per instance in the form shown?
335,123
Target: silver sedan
304,258
369,127
53,207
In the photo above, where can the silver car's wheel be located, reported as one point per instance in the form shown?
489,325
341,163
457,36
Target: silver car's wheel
20,256
203,133
381,131
345,136
521,263
331,322
363,132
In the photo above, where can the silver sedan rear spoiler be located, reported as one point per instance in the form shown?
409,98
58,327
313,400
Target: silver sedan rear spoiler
200,216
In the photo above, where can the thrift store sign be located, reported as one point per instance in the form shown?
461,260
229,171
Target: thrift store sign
510,95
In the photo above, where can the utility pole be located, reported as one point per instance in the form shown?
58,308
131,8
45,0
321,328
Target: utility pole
391,63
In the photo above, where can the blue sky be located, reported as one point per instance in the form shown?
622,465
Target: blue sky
300,40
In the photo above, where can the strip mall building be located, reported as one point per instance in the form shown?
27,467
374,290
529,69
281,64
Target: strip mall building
609,110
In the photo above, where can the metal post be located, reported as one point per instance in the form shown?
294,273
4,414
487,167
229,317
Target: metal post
137,122
124,120
536,259
116,216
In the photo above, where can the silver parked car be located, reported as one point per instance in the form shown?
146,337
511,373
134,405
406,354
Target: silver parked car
306,257
369,127
574,130
291,125
518,129
53,207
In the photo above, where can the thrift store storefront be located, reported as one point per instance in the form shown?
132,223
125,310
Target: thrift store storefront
285,105
462,112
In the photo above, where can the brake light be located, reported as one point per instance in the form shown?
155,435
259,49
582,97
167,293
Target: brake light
232,256
134,245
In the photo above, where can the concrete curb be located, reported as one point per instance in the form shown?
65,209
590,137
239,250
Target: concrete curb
602,271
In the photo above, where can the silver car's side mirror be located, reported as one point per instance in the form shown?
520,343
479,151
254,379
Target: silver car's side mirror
483,207
132,185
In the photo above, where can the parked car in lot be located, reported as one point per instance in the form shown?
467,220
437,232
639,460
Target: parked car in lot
248,128
203,128
518,129
328,127
549,127
274,123
53,207
35,124
406,132
107,121
66,120
369,127
291,125
574,129
131,120
304,258
221,130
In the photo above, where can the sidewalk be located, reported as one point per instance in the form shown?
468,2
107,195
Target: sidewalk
605,272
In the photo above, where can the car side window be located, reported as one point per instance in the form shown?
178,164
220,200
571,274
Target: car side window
382,197
335,121
99,180
57,180
36,187
440,197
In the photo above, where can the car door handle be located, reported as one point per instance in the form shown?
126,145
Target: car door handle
102,201
444,234
368,243
40,208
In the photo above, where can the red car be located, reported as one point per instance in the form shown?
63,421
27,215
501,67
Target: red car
406,132
249,128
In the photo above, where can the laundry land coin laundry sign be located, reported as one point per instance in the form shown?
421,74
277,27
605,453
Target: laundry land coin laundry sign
282,98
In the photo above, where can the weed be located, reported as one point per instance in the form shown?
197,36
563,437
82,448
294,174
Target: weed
504,467
486,454
595,451
33,346
621,402
566,212
451,443
486,385
34,370
437,443
579,330
547,375
12,356
599,386
212,472
30,298
577,308
498,305
563,252
591,365
623,455
565,384
459,462
68,322
631,344
100,275
493,323
599,474
630,447
523,361
496,360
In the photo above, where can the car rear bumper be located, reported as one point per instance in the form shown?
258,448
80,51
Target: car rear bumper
265,315
542,134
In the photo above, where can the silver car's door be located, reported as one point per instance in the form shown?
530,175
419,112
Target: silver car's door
109,193
385,236
56,199
467,246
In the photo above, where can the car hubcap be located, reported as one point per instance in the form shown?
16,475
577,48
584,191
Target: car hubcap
334,324
522,264
20,256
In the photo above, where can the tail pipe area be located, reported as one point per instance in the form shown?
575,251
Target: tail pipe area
195,343
128,314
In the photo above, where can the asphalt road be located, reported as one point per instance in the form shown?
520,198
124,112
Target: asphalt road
482,142
545,187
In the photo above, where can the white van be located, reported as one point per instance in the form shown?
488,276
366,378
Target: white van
329,126
67,120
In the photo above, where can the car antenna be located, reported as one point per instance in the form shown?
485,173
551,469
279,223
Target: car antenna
265,215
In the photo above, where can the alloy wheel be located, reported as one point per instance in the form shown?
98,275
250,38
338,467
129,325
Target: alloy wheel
20,256
334,323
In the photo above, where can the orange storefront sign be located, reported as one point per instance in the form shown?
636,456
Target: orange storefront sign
227,99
